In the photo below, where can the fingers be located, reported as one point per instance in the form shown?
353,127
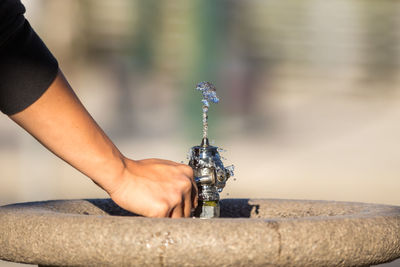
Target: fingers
178,211
188,204
188,171
195,196
192,197
194,191
179,202
187,191
159,210
183,209
167,188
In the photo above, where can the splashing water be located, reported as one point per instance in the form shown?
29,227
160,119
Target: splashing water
231,170
209,95
189,155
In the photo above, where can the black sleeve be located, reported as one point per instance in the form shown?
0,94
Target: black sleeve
27,67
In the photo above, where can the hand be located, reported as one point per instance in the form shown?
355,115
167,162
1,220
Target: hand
156,188
153,187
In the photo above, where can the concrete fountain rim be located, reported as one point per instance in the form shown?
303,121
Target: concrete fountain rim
81,232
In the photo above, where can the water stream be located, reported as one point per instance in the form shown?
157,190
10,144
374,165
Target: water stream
209,96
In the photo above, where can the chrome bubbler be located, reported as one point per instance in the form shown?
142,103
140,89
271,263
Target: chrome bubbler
209,171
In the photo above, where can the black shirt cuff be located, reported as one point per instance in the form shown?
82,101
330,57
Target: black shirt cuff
27,69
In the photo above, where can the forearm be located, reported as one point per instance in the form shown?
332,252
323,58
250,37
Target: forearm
61,123
153,187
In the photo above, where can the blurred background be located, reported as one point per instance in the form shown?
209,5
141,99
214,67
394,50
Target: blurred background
310,93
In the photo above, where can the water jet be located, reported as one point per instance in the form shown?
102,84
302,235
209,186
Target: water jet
208,169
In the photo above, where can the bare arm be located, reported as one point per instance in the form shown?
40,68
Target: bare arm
152,187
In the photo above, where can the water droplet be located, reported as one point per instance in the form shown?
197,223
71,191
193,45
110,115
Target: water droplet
230,169
189,154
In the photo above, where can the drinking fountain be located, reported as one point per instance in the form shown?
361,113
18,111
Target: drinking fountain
209,171
227,232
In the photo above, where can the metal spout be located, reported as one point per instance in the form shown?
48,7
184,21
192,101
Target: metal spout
204,142
210,176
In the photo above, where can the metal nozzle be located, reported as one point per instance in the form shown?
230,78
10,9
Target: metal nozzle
204,142
210,176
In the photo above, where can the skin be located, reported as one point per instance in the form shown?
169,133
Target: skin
149,187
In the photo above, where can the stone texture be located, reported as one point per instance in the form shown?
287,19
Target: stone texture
251,233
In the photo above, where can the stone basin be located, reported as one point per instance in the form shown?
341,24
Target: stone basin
251,232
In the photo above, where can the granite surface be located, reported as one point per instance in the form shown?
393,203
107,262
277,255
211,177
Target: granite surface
252,232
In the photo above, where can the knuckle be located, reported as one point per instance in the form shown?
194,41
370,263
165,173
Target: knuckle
160,209
195,188
187,169
176,198
186,185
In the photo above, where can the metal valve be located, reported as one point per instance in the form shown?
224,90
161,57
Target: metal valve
209,171
210,176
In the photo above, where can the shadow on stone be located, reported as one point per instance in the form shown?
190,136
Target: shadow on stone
238,208
230,208
109,207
